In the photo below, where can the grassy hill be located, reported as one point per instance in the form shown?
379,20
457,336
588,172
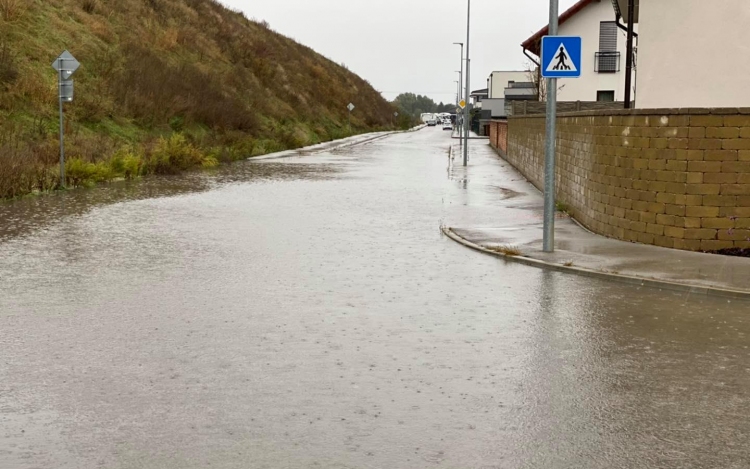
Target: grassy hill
164,85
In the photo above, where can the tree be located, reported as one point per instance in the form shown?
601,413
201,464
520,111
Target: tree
415,105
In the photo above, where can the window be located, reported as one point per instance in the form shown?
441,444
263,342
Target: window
607,59
605,96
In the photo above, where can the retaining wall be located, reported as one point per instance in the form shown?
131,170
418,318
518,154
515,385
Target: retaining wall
676,178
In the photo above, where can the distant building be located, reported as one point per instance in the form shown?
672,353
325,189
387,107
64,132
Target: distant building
692,53
604,46
504,87
477,97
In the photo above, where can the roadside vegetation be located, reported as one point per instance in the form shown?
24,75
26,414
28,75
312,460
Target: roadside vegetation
164,86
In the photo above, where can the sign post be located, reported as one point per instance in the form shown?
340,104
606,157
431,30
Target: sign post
351,108
561,58
65,65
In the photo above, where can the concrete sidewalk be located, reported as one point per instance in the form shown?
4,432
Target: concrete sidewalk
500,209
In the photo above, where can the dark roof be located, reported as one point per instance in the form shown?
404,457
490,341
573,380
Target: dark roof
533,44
480,92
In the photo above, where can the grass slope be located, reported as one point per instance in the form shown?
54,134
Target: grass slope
164,85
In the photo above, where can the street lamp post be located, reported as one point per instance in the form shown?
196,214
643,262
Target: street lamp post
468,84
460,78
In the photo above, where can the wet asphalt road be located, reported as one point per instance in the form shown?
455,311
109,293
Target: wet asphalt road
308,313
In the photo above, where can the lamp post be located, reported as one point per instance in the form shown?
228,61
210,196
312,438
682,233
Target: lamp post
460,78
468,84
548,244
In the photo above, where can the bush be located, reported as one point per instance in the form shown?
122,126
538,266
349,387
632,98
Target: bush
174,154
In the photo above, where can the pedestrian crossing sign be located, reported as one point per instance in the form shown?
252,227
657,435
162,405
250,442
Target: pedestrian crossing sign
561,56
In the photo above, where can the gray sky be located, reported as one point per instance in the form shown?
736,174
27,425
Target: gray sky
406,45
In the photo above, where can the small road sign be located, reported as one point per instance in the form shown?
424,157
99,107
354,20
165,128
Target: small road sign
350,107
67,64
462,104
561,56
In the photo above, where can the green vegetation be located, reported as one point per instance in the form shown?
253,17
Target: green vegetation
164,86
415,105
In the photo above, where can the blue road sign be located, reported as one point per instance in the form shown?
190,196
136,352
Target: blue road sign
561,56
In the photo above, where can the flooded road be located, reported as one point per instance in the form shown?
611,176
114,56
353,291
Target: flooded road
308,313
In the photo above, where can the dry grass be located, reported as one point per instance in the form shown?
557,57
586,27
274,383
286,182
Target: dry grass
568,264
506,249
10,10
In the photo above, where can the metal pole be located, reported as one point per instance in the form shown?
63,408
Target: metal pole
468,84
549,149
62,128
460,96
350,121
629,55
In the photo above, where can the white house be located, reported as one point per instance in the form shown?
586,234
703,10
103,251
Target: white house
500,80
604,45
692,53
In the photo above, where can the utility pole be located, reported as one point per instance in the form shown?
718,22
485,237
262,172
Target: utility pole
549,150
468,85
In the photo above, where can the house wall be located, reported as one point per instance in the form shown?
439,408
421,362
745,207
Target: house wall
586,24
498,81
693,53
675,178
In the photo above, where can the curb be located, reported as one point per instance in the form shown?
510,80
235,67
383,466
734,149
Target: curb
333,145
628,279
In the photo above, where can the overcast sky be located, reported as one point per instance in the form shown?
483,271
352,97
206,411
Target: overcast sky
406,45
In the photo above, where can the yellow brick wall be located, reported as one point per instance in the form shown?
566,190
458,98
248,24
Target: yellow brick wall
672,178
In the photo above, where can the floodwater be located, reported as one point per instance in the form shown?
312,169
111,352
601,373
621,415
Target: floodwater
308,313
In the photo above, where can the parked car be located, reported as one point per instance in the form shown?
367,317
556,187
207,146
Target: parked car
432,123
447,124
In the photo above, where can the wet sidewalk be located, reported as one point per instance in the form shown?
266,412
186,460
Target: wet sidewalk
502,213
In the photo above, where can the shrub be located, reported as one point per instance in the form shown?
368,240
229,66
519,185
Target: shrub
174,154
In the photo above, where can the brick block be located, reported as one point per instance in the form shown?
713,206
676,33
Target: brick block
638,226
721,178
677,210
734,235
694,155
692,222
715,245
693,200
655,229
722,132
675,165
743,155
695,178
661,143
705,166
735,167
674,232
745,132
678,143
741,120
664,241
721,155
702,212
736,144
688,244
665,220
735,189
704,189
656,207
707,121
704,144
743,212
717,223
719,200
698,132
657,165
647,217
743,223
665,198
677,188
700,233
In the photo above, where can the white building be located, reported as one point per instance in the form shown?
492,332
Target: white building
604,45
500,80
692,53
